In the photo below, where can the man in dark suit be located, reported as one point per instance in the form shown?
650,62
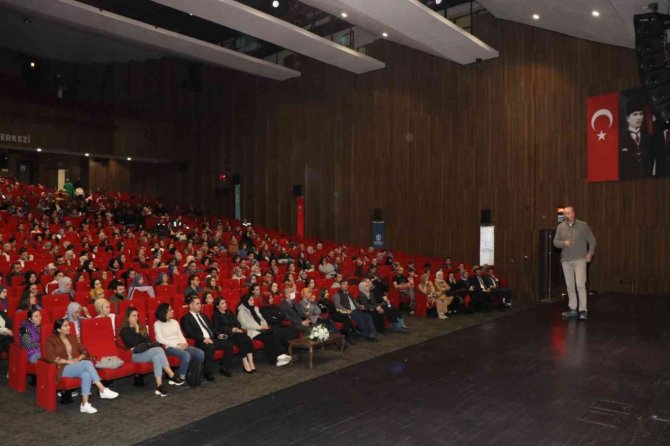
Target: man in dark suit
635,143
494,283
293,313
198,327
481,294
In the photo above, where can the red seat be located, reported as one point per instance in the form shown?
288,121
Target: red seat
98,338
19,366
165,290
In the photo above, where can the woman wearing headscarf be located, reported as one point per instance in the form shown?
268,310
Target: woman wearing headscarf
138,284
29,334
75,313
96,287
442,300
257,327
162,279
381,308
65,287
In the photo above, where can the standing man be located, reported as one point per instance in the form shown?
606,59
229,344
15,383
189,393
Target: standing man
576,240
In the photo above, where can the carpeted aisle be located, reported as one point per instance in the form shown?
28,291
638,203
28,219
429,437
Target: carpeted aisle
139,415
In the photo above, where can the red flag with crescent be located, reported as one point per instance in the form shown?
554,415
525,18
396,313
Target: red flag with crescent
602,140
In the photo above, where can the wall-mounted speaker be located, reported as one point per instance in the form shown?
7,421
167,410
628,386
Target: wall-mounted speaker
650,44
297,190
485,218
377,215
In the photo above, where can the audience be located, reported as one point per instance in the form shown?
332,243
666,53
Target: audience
29,332
344,304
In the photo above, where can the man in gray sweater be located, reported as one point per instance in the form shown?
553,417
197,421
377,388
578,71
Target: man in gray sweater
576,240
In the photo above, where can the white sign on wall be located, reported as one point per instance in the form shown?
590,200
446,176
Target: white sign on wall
486,245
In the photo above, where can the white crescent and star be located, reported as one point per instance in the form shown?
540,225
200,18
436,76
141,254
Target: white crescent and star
601,112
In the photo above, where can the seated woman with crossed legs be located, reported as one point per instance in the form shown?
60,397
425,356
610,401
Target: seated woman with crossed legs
135,337
63,349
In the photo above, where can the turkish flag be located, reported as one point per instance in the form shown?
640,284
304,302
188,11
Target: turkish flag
602,138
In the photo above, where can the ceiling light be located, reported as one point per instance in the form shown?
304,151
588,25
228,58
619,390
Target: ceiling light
595,13
32,64
344,15
129,159
536,16
275,4
86,154
385,34
437,2
39,149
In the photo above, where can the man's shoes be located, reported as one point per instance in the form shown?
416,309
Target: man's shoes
570,313
583,315
176,381
225,372
210,377
160,391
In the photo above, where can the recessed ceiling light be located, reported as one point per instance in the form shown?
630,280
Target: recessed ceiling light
129,159
39,149
437,2
275,4
595,13
86,154
536,16
32,64
345,15
385,34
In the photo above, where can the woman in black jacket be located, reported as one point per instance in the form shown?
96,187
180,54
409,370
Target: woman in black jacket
226,326
275,319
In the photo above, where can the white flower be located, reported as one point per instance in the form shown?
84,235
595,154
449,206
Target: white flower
319,333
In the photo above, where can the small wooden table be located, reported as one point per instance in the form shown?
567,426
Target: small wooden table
307,344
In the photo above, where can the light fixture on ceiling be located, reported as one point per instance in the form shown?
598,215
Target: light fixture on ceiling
536,16
129,159
344,15
39,149
33,64
385,35
275,4
86,154
437,2
595,13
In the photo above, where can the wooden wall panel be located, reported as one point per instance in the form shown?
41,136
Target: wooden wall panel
433,143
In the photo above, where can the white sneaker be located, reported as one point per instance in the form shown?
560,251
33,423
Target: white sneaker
284,357
108,394
283,361
87,408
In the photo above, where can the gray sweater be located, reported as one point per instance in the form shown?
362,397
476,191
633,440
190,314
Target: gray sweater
583,241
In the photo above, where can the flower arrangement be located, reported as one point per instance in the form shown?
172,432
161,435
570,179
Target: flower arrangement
319,333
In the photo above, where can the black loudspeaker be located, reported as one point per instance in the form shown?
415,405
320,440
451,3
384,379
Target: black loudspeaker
650,43
236,180
297,190
377,215
485,217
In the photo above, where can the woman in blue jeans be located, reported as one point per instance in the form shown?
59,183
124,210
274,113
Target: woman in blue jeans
135,337
168,332
63,349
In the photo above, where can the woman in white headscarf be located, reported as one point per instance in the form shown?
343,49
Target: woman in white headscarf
75,313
